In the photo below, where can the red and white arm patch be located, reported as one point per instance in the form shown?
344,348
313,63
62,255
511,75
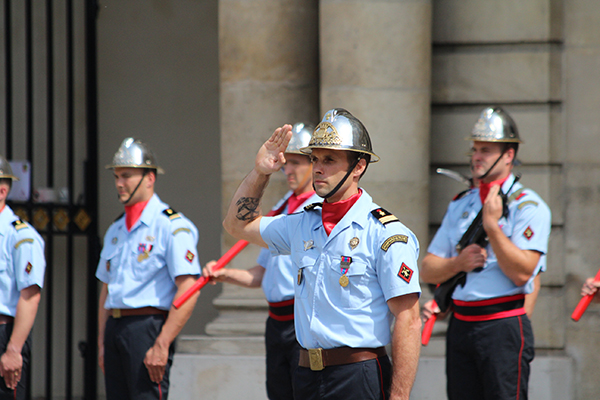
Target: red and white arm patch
405,273
189,256
528,233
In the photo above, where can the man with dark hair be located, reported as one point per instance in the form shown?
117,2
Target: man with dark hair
489,343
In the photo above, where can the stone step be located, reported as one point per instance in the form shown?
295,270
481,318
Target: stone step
218,365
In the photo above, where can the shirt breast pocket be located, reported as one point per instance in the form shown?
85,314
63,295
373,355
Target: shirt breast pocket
145,264
348,290
110,256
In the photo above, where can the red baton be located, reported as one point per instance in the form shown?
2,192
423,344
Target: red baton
223,261
200,283
426,335
584,302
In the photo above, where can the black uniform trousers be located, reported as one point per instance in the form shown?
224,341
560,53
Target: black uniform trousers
365,380
489,360
282,358
126,341
6,393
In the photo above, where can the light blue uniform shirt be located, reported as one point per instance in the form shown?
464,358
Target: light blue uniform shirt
527,226
327,314
22,261
140,266
279,278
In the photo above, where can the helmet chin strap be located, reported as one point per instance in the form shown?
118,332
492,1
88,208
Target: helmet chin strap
339,185
136,188
493,165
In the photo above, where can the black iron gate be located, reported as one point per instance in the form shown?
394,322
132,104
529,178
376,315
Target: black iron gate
49,131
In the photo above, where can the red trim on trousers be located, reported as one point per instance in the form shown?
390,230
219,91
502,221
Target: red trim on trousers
520,358
489,317
488,302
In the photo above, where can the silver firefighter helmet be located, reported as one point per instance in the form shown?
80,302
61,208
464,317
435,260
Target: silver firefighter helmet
340,130
133,153
495,125
6,171
301,134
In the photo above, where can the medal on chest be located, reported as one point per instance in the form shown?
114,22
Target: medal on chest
143,251
344,267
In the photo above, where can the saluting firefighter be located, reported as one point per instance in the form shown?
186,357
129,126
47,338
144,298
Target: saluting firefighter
22,268
355,264
489,344
149,257
276,274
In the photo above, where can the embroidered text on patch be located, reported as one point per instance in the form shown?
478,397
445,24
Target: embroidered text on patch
405,273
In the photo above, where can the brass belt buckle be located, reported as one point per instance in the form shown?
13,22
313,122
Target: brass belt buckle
315,357
116,313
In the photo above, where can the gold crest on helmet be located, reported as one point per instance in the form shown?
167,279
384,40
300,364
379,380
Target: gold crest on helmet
325,135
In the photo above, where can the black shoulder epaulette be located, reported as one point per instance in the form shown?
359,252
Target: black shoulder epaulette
384,216
461,194
119,217
18,224
172,214
312,206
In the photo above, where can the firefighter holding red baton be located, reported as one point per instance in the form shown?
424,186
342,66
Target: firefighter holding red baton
276,275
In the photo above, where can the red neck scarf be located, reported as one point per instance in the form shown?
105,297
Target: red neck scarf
484,188
295,201
2,209
133,213
333,212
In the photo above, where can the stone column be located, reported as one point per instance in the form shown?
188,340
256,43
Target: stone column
268,53
376,63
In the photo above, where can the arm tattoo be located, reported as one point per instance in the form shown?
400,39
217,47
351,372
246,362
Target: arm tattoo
247,208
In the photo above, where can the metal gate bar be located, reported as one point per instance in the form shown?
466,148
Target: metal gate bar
89,206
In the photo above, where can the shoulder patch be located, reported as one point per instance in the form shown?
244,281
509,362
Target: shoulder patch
384,216
527,203
20,242
176,231
172,214
393,239
312,206
461,195
119,217
18,224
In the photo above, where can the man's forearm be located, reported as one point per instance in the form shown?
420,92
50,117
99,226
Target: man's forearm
244,207
517,264
406,347
26,311
178,316
437,270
